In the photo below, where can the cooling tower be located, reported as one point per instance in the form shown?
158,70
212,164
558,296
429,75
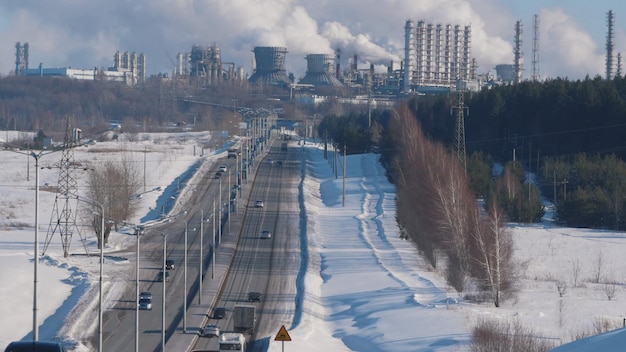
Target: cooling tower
320,70
270,65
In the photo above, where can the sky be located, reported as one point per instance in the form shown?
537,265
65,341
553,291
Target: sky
86,34
365,289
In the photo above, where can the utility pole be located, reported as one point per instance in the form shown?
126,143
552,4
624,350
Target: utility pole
343,196
459,138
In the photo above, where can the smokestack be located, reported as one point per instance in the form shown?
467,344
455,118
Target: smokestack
409,48
338,73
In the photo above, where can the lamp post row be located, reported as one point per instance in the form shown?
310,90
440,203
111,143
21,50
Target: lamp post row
200,275
36,157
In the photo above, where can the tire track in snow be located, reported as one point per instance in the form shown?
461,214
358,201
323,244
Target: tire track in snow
372,232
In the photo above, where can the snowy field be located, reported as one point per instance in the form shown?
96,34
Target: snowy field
365,289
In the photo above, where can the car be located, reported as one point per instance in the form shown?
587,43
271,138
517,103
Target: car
170,264
31,346
145,302
210,330
266,234
270,161
220,313
162,274
258,204
254,296
218,175
223,168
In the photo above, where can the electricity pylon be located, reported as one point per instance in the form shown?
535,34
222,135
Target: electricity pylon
63,219
459,138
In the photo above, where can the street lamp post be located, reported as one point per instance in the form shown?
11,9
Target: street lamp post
101,245
229,199
101,272
36,253
163,303
213,243
137,294
185,283
201,258
219,228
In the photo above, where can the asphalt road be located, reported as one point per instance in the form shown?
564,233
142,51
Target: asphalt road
269,266
119,322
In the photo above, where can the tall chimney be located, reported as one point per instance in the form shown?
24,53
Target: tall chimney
338,73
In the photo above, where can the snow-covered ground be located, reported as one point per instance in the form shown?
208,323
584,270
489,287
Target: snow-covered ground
365,288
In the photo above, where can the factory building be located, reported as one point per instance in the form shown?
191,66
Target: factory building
206,64
127,68
436,56
133,64
21,58
320,70
506,73
270,66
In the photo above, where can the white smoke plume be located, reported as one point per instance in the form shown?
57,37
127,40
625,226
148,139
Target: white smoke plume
86,34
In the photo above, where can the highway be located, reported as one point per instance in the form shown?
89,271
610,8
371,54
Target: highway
119,322
265,265
251,263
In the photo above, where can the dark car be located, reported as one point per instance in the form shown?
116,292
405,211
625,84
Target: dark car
169,264
254,296
220,313
35,346
145,303
145,300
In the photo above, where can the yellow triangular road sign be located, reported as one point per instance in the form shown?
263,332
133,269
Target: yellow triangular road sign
282,335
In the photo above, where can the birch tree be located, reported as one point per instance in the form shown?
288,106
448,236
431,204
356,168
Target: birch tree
493,255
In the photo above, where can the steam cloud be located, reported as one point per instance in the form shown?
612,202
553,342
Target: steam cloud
86,34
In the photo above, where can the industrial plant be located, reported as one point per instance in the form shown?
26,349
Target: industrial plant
436,56
321,71
437,59
129,68
205,64
270,66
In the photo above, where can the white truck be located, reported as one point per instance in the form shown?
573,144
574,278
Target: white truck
230,341
244,317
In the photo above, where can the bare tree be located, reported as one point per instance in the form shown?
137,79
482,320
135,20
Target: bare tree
599,265
610,289
439,210
494,252
561,287
113,185
576,268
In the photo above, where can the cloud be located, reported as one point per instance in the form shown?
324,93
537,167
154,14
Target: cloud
87,33
571,49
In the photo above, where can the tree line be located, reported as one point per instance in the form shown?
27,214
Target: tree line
436,207
555,130
43,103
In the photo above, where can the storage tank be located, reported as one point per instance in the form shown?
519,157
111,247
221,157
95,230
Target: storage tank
320,69
270,65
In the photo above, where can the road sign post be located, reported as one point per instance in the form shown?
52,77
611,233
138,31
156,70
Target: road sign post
282,336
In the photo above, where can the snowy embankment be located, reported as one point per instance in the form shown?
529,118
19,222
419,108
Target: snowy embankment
364,290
